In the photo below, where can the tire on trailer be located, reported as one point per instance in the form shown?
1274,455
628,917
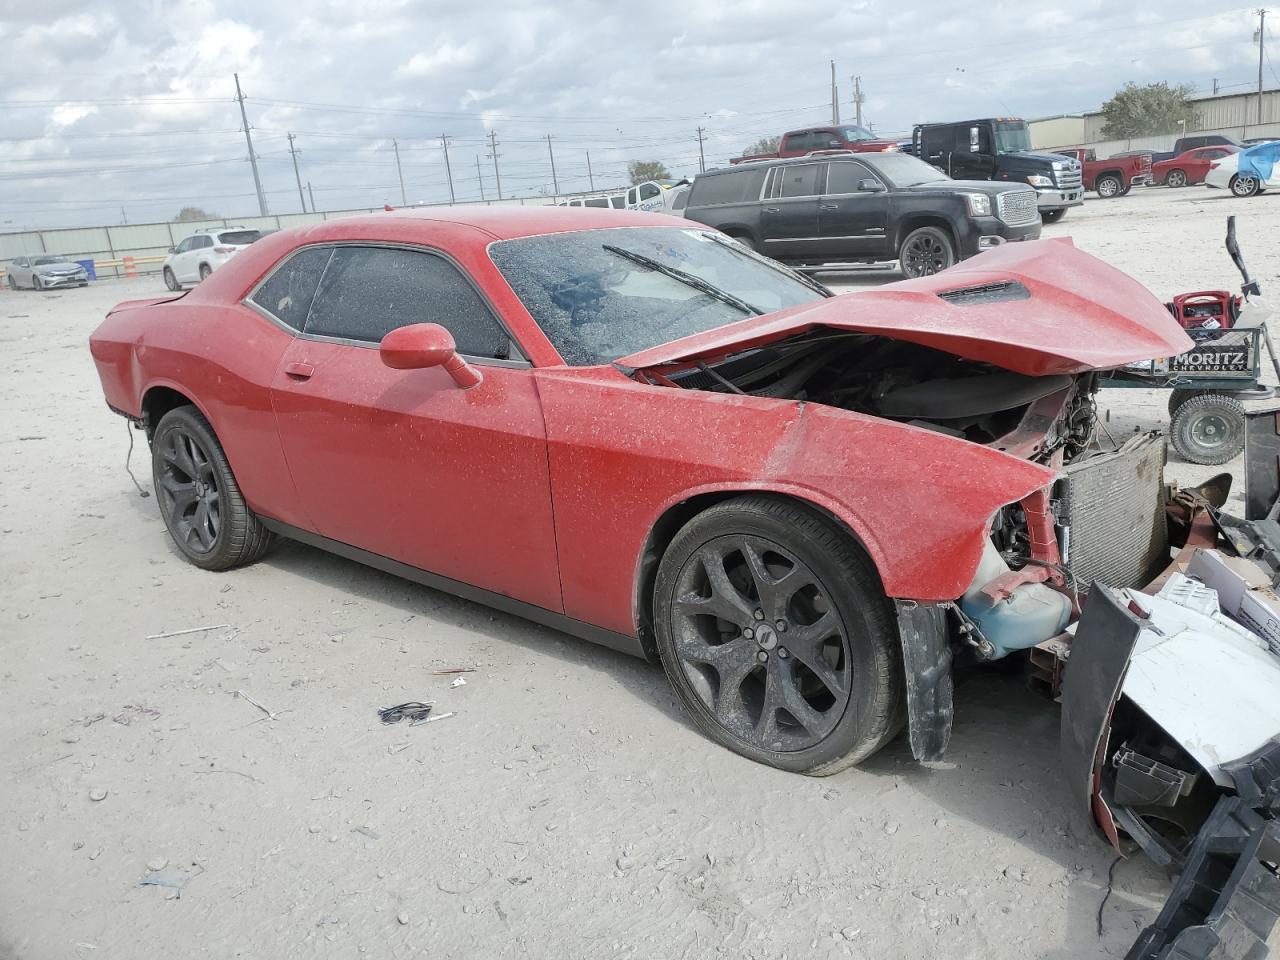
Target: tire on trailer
925,251
1053,216
1110,185
775,632
1178,397
198,496
1208,429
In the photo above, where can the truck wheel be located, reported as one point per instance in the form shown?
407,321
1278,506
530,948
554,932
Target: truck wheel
1110,186
1208,429
1176,178
746,240
1053,216
775,632
925,251
1127,188
1245,186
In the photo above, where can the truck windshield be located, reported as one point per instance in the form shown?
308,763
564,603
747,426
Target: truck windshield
1012,136
902,170
852,134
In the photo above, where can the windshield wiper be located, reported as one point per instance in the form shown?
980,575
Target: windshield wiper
688,279
737,247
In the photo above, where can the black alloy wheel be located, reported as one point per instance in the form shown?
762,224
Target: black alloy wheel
925,251
198,495
188,491
775,634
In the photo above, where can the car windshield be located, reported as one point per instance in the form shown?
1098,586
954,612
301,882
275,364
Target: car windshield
856,133
596,304
902,170
1012,136
41,261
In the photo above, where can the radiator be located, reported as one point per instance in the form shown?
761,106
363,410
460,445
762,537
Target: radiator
1113,504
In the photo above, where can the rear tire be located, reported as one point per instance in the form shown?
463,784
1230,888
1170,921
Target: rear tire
1208,429
925,251
170,280
775,632
1110,186
1176,178
198,496
746,240
13,284
1053,216
205,270
1245,186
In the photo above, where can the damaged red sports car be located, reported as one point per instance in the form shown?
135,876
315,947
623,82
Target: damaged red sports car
643,433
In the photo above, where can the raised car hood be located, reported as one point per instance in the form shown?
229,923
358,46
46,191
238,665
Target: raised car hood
1072,313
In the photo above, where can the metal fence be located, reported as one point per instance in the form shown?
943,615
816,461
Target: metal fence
146,244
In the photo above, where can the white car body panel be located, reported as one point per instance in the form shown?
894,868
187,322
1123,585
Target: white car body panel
1223,169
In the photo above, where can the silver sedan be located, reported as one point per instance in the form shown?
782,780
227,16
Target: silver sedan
45,272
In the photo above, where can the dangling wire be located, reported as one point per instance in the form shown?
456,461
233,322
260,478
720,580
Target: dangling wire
129,456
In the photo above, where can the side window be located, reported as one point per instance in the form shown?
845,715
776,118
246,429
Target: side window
618,202
367,292
843,176
801,180
20,262
287,293
801,141
681,201
631,196
827,140
183,247
649,190
205,241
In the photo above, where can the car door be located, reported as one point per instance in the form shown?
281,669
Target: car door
853,214
789,216
972,154
182,268
404,463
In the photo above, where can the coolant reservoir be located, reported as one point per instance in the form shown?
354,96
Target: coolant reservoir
1033,613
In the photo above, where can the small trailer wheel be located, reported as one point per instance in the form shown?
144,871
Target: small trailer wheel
1208,429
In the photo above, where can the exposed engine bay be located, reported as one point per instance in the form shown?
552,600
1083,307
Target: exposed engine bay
1027,416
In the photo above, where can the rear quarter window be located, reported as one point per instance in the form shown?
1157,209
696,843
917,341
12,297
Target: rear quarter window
240,237
739,186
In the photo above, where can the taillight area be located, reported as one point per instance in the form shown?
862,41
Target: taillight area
224,249
1214,166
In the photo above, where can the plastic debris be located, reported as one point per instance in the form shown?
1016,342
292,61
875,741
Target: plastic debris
446,671
460,682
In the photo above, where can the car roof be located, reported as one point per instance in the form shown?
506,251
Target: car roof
841,156
510,222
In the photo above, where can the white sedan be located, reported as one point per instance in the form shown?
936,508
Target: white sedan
1248,172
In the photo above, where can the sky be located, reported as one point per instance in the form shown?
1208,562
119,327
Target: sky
124,110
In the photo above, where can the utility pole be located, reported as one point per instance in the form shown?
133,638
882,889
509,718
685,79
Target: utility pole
124,218
555,184
493,152
835,102
1215,86
312,196
857,100
1262,41
702,160
591,180
404,201
479,178
448,171
297,176
253,157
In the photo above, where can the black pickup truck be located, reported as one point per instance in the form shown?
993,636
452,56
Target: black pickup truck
999,148
861,208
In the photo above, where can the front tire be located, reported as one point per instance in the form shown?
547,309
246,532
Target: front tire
1208,429
925,251
1053,216
198,496
13,284
1176,178
775,632
36,282
1110,186
1245,186
170,280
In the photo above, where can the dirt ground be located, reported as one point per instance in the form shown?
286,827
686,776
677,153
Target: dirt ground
566,809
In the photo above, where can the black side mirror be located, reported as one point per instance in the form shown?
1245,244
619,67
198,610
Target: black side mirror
871,186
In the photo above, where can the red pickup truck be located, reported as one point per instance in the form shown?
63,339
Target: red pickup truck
1112,177
800,143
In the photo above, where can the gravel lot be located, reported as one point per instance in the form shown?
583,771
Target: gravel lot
567,809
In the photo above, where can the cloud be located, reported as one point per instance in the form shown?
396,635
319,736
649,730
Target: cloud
444,58
65,114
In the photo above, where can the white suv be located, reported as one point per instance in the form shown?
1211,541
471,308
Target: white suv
203,252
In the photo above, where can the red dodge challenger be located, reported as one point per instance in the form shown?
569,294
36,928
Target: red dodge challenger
639,431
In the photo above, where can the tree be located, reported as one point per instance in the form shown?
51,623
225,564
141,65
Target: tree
189,214
763,145
641,170
1137,111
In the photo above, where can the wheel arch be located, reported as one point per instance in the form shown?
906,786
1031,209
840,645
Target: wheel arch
914,221
159,398
676,514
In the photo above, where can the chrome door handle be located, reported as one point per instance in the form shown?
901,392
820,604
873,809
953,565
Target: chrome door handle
828,206
772,209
